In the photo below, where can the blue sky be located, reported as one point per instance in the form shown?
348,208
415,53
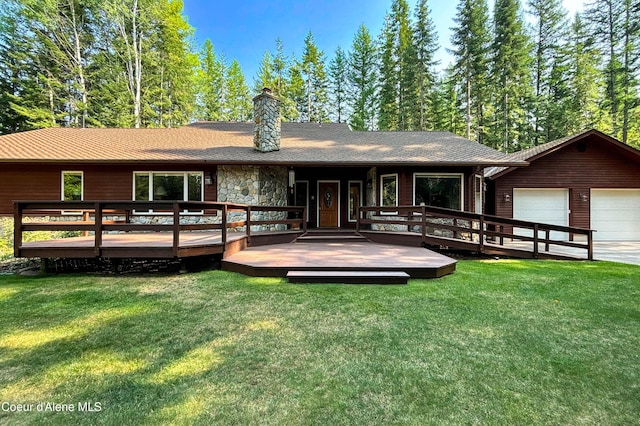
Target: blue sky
245,29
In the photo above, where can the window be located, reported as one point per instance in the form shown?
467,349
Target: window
355,199
389,190
441,190
167,186
72,186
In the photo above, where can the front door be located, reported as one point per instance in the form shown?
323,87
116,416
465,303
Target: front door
328,200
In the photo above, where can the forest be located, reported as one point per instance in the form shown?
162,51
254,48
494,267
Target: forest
522,75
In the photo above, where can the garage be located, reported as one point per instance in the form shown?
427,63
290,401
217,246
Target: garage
542,205
615,214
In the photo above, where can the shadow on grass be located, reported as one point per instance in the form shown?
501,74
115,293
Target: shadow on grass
491,342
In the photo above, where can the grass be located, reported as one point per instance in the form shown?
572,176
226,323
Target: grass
498,342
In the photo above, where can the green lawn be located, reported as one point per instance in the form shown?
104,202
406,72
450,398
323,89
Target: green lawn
498,342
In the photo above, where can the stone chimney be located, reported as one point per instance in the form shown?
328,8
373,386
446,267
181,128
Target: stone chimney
266,112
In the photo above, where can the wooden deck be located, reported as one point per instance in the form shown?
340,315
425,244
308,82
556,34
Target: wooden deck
277,260
388,240
157,245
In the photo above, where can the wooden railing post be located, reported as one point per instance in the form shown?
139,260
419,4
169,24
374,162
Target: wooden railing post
548,236
304,219
224,224
590,244
357,218
535,241
176,228
17,229
249,224
424,224
481,234
97,232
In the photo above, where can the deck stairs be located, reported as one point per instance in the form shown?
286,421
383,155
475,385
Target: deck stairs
342,275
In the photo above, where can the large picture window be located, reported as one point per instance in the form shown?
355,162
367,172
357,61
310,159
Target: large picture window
441,190
72,186
167,186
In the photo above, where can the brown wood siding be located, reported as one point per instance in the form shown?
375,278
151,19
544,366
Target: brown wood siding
602,165
101,182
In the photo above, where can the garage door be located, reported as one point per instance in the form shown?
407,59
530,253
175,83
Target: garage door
543,206
615,214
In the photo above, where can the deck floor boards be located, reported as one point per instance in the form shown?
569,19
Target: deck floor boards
278,259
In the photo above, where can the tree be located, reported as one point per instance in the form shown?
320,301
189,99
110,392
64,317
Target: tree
296,92
549,31
399,108
362,76
447,104
338,84
266,77
211,78
510,76
471,42
425,42
238,105
316,78
388,79
169,98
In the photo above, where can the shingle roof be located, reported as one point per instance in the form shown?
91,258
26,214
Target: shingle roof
232,143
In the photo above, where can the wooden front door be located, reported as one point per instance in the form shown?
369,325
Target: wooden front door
328,196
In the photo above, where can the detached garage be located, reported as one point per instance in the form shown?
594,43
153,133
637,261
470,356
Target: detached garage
589,180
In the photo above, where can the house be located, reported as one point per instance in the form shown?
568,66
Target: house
326,167
588,180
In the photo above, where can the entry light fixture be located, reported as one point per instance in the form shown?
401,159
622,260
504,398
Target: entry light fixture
583,197
208,179
507,198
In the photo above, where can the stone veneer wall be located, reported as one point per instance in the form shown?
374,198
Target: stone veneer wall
255,185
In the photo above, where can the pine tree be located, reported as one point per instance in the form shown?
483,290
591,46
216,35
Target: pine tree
388,113
169,100
266,76
211,82
471,41
362,78
511,79
585,80
549,31
237,106
338,84
296,91
313,68
425,44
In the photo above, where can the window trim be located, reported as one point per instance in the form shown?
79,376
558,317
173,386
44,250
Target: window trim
185,188
394,175
62,173
436,175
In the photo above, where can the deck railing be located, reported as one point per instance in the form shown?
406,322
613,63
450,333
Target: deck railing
93,217
477,232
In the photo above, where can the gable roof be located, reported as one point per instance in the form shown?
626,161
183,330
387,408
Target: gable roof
536,152
326,144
